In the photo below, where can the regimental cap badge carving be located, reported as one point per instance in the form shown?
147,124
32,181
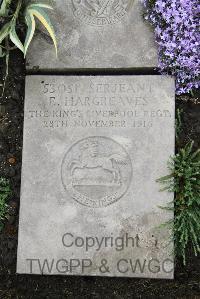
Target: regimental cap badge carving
96,171
101,12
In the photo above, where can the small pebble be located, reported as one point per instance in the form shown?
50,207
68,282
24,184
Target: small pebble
12,160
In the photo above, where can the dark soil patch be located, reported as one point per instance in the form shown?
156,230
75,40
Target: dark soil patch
187,279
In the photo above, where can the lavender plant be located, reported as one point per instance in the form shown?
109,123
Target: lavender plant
176,24
184,180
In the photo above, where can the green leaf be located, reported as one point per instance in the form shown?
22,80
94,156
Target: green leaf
30,21
41,15
5,31
2,53
15,39
165,178
195,154
5,8
42,5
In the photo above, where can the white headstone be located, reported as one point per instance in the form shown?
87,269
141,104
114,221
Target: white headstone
93,149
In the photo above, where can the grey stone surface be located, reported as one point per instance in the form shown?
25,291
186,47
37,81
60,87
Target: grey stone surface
93,149
114,38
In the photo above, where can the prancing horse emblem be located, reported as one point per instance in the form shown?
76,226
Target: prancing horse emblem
96,171
90,158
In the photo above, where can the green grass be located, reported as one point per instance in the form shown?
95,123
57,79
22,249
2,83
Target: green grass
184,180
5,192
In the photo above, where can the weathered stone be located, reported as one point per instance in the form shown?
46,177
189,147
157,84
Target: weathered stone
93,149
114,38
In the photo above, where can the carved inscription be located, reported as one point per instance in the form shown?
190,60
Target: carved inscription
101,105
